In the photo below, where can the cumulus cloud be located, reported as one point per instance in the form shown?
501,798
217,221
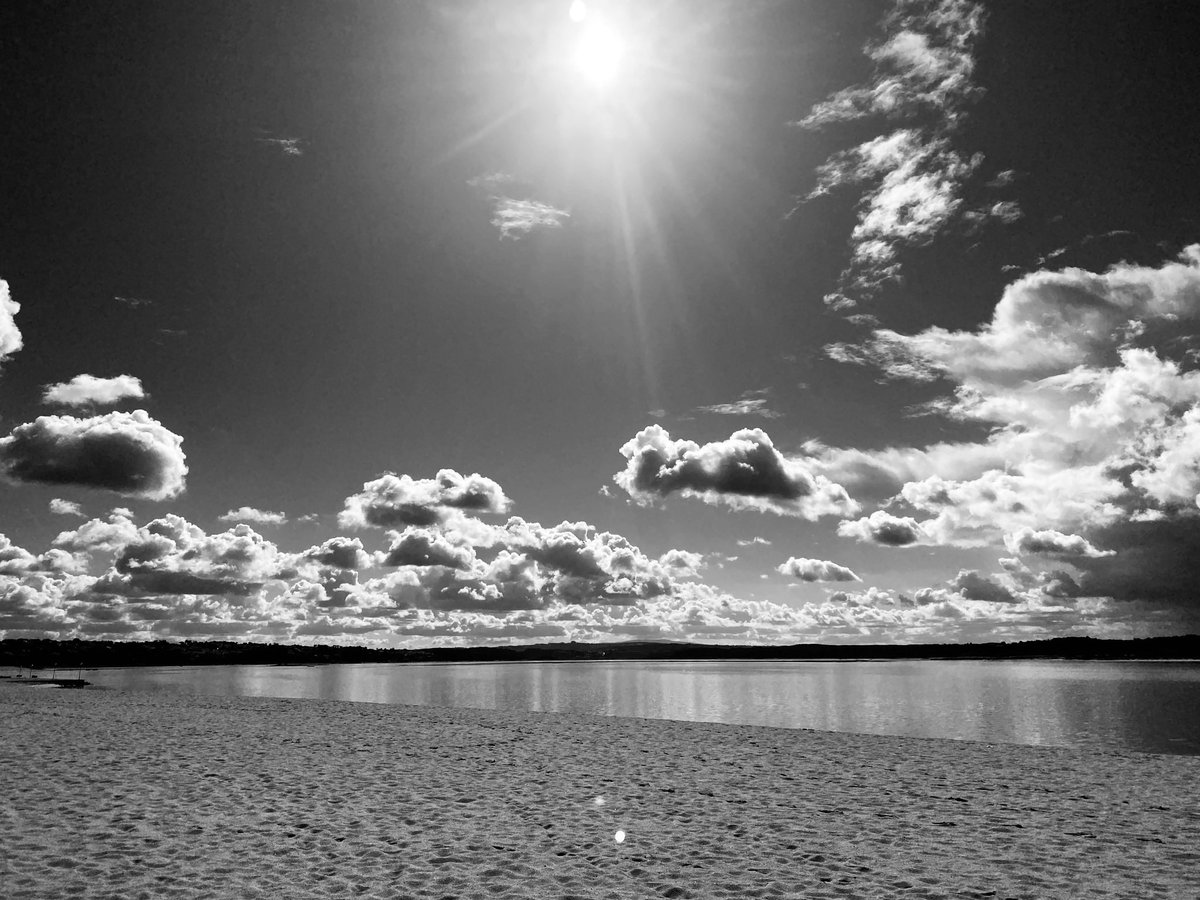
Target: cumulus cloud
66,508
99,535
1089,397
340,553
10,334
1054,544
911,175
977,586
530,583
743,472
426,547
258,516
1072,324
128,453
815,570
392,500
883,528
1150,562
1089,400
88,390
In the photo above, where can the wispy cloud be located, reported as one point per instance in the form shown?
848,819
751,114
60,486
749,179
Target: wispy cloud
515,216
751,403
287,146
754,542
911,175
133,302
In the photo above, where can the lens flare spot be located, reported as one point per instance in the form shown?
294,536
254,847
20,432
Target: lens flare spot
578,11
619,837
599,801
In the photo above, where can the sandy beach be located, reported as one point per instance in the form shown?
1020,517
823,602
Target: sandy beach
144,795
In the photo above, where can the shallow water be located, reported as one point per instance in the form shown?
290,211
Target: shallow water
1143,706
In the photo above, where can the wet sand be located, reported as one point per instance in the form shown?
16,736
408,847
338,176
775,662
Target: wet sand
124,795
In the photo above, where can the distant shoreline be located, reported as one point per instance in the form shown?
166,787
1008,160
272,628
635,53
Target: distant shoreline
41,654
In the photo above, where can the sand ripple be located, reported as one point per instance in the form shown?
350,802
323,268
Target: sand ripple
110,794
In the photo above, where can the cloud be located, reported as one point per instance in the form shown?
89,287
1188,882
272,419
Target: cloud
133,302
152,583
743,472
581,564
883,528
924,63
514,217
751,403
911,175
1048,324
340,553
754,542
914,185
1053,544
392,500
815,570
288,146
88,390
426,547
976,586
1152,562
173,544
1089,404
528,582
250,514
10,335
66,508
130,454
99,535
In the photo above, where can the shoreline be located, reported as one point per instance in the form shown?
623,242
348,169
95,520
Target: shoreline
120,793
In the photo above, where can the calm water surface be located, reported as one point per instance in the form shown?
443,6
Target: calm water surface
1145,706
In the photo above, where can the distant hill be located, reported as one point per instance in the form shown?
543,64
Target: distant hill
91,654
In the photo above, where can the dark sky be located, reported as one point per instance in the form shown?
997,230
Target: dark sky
810,320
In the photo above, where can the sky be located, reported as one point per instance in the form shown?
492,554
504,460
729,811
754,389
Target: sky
467,322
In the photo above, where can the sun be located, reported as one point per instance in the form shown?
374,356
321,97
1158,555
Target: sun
598,55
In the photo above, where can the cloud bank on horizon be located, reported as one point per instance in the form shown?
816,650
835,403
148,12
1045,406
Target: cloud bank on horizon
1050,471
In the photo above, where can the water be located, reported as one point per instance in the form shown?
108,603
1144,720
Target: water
1143,706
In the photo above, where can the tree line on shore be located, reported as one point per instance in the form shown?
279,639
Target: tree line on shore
38,653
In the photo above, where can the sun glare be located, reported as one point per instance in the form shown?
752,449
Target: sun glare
598,56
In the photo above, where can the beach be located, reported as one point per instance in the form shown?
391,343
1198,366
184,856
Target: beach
114,794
